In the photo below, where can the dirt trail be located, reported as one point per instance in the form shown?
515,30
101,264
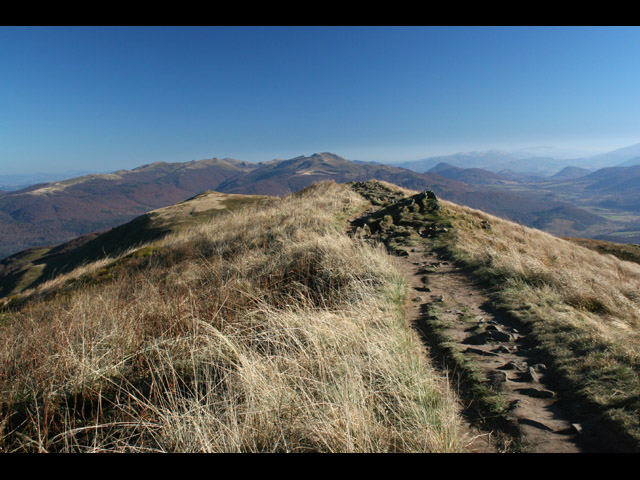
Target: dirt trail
497,346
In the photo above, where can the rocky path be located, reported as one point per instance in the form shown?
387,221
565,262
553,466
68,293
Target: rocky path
453,316
496,346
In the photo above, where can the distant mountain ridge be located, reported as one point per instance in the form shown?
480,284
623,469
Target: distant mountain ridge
491,160
497,160
472,176
571,172
286,176
476,159
52,213
631,162
620,157
12,182
55,212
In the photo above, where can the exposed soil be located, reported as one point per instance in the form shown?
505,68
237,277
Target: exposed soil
498,347
453,314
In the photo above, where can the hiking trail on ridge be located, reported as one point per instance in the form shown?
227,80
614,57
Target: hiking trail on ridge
488,357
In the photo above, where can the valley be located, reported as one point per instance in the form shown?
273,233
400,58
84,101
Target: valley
604,204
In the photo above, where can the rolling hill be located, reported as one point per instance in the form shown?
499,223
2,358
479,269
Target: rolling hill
36,265
604,204
471,176
271,316
571,172
619,180
50,213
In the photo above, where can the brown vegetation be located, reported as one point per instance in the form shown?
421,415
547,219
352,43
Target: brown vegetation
582,307
267,329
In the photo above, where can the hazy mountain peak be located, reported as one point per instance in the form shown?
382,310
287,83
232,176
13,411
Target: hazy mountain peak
572,172
328,156
619,157
631,162
443,166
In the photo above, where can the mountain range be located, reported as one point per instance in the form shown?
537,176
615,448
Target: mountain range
497,161
55,212
49,213
603,204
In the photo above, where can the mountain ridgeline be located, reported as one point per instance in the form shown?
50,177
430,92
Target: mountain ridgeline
574,202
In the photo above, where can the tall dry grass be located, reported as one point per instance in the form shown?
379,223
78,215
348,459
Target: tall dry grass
582,307
264,330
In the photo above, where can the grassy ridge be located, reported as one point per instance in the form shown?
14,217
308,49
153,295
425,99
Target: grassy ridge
32,267
582,307
623,251
267,329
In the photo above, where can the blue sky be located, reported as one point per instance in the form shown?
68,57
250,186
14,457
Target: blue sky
102,98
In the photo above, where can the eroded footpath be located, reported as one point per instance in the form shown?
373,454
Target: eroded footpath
508,399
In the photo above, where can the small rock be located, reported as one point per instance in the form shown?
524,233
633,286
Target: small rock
532,374
537,392
510,366
498,376
539,367
577,428
514,404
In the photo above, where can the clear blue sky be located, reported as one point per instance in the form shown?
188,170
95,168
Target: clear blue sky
108,98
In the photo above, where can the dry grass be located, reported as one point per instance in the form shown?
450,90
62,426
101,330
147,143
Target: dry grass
265,330
583,307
